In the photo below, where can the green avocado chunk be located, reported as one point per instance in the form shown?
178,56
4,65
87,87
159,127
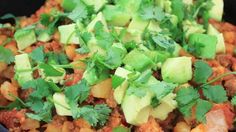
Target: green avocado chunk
136,110
68,5
23,69
167,105
116,15
220,46
25,38
138,60
203,45
98,4
216,12
67,34
177,70
119,92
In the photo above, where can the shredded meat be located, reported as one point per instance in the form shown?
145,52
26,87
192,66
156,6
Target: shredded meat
230,86
12,118
150,126
7,31
224,60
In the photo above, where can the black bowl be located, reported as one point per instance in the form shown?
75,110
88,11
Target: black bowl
28,7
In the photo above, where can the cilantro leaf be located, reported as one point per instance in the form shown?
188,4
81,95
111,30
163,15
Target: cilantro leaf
114,58
186,96
161,89
104,39
40,87
79,13
37,54
37,101
202,108
186,99
49,70
202,71
117,81
164,42
95,70
149,11
44,114
51,21
6,55
97,115
187,109
45,19
56,58
84,39
178,9
216,94
233,100
76,92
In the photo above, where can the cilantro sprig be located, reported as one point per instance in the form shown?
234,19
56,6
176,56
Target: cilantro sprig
75,95
6,55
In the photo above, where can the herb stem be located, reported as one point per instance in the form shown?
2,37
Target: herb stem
219,77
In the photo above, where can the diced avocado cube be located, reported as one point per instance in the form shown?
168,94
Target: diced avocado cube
191,27
158,56
128,37
44,37
220,46
119,92
167,105
99,17
177,50
216,12
137,110
98,4
138,60
188,2
116,16
120,47
204,46
24,38
23,69
154,26
131,6
137,25
68,5
177,70
68,34
164,4
61,105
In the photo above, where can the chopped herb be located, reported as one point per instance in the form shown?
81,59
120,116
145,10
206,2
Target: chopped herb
149,11
233,100
117,81
97,115
49,70
104,39
37,54
216,93
187,98
164,42
6,55
202,71
78,92
202,108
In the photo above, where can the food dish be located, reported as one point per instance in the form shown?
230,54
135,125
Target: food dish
137,65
